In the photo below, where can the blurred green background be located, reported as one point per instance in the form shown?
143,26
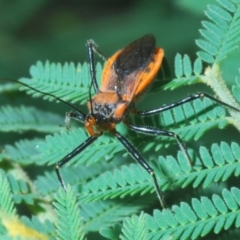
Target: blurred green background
58,30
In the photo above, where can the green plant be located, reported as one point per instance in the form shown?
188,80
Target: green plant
107,189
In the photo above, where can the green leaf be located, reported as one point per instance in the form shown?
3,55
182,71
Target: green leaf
134,228
6,201
112,233
197,67
20,119
197,223
187,66
69,224
65,82
221,35
227,5
178,66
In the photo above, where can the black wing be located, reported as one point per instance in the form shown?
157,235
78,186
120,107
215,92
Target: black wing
136,56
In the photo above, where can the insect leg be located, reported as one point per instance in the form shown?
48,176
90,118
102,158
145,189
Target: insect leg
94,83
156,132
76,115
135,154
71,155
92,47
185,100
96,50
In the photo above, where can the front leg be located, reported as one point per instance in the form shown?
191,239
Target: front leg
76,115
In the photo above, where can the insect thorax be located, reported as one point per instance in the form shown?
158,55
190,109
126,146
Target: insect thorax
108,107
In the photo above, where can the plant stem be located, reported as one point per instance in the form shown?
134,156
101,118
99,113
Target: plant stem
214,79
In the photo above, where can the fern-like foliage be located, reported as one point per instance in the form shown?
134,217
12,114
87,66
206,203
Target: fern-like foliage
10,226
112,233
6,203
96,214
46,227
74,175
69,223
23,118
216,165
134,228
221,33
69,82
65,142
6,195
220,37
21,151
185,73
186,221
108,189
203,216
189,121
20,189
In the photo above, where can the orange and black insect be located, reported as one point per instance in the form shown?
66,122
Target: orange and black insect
126,75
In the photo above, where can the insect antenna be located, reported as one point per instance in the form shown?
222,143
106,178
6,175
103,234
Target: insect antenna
90,97
51,95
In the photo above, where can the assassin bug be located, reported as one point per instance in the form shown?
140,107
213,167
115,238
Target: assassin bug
125,77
